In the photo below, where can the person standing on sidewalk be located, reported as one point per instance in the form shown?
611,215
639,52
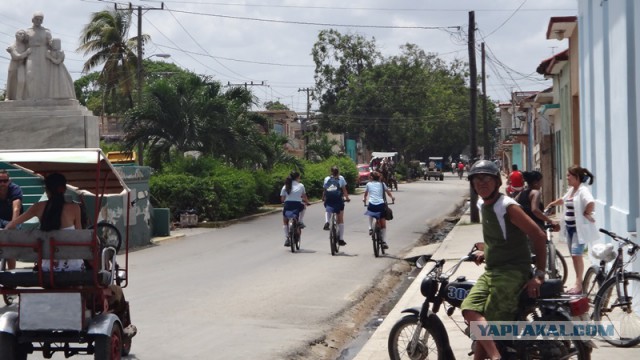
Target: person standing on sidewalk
531,200
578,225
506,230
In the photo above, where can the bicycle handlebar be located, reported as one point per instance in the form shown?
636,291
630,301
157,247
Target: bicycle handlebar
620,238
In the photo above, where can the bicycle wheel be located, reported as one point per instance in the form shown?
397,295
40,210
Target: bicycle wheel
615,306
430,344
298,236
333,236
376,241
560,268
591,284
292,235
7,298
109,235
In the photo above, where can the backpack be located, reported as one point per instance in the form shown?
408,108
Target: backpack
332,190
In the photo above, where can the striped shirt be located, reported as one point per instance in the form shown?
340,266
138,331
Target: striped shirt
569,213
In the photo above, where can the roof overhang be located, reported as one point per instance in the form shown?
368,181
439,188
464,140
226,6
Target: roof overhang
549,109
87,170
561,27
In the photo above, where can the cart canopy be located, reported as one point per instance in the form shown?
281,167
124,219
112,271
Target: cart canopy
380,154
87,170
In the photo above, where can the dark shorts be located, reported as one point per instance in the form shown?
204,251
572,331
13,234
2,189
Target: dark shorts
292,206
495,295
334,206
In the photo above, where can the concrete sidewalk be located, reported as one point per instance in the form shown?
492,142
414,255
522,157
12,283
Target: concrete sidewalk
456,245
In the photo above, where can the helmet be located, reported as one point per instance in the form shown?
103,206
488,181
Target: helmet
485,167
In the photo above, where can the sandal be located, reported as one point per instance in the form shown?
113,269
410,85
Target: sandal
574,291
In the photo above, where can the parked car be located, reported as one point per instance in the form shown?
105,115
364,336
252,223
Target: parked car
364,170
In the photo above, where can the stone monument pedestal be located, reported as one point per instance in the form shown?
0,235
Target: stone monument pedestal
48,123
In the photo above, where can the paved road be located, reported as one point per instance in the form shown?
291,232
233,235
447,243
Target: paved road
237,293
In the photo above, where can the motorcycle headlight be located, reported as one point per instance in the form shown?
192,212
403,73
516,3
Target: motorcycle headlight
428,288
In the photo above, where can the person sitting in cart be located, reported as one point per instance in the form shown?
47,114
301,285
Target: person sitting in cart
58,214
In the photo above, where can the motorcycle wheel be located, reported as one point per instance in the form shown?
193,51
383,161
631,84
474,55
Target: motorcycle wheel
431,345
552,349
555,349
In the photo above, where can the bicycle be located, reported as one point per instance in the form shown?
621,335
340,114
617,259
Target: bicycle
334,235
376,235
556,264
294,232
614,300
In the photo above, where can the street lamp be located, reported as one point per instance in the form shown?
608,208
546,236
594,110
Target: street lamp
140,72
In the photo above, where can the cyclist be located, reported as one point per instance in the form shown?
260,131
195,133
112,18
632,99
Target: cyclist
505,228
334,195
294,197
374,193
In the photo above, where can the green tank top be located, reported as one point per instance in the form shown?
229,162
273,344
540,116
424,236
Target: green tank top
506,246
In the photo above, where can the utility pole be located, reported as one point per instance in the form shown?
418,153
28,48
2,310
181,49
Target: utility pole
488,148
473,85
305,136
139,70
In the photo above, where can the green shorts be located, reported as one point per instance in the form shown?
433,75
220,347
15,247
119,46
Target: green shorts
496,294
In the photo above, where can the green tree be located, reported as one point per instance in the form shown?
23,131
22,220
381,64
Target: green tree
339,59
105,40
275,105
189,112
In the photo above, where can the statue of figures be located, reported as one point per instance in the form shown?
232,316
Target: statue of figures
38,67
17,77
60,82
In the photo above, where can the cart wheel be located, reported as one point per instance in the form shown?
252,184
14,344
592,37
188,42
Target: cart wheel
9,348
109,347
109,235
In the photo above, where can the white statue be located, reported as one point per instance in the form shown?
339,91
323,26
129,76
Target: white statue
38,67
17,77
60,82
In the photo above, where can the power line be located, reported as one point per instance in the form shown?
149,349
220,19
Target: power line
317,24
504,22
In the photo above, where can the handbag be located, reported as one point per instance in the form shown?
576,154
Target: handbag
388,213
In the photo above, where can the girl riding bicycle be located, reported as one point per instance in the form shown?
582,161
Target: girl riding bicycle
374,193
334,195
294,197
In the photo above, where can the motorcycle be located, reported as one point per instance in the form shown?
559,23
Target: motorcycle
421,334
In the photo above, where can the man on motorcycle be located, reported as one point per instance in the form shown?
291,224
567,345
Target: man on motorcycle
505,228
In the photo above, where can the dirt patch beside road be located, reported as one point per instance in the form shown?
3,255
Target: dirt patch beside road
351,328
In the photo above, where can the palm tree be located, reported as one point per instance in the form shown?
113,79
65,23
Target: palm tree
189,112
104,38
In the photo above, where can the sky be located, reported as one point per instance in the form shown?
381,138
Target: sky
269,42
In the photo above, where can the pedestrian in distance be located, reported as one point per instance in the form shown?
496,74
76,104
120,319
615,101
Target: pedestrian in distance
507,232
294,198
578,225
334,195
515,181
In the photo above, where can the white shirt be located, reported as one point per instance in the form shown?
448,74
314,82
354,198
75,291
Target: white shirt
297,190
375,191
